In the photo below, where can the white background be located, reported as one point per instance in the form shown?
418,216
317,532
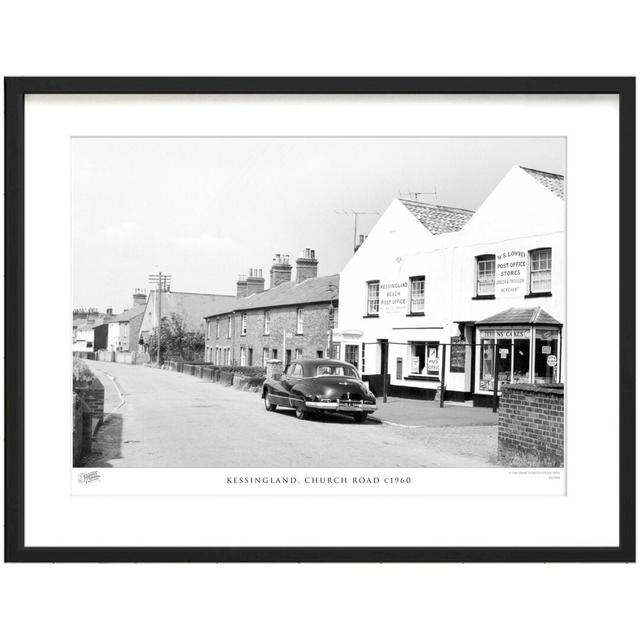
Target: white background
55,518
328,39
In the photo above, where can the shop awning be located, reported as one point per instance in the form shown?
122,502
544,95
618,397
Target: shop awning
520,315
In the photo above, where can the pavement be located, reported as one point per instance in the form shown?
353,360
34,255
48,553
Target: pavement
159,418
425,413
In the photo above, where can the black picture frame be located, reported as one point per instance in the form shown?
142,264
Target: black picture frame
15,91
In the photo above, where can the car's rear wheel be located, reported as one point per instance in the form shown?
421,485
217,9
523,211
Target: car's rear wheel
360,417
301,414
268,405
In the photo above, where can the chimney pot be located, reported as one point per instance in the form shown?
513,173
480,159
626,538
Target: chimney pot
306,265
280,270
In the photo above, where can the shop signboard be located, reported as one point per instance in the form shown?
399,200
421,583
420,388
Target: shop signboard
511,274
393,297
433,361
457,358
505,333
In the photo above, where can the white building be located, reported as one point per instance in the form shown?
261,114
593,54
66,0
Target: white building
489,285
84,341
124,329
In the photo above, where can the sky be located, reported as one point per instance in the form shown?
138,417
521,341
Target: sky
208,209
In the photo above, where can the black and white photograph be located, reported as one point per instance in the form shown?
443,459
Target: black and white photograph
318,302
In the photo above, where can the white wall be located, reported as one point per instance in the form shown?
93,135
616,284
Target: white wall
118,336
519,214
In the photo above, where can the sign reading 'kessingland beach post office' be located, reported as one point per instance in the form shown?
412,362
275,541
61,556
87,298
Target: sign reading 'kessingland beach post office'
511,274
393,297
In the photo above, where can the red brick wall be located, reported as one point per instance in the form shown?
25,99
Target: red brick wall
531,420
314,336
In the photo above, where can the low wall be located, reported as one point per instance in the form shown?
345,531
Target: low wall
88,414
77,430
531,421
250,380
131,357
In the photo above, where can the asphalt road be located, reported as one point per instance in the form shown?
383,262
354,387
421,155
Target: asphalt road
168,419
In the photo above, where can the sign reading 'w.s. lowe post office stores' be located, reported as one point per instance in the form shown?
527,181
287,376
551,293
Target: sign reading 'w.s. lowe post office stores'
511,274
393,297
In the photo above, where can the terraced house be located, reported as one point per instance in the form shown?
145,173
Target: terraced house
292,319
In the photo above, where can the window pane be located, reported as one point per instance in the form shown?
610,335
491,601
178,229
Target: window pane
351,354
373,293
503,361
418,357
486,366
521,349
540,270
544,373
417,296
486,276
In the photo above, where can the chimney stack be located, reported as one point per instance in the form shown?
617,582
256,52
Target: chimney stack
109,311
139,297
361,240
255,281
280,270
241,291
306,265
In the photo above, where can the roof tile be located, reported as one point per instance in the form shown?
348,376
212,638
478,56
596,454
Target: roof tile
437,218
552,181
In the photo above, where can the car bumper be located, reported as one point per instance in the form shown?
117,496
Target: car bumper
341,407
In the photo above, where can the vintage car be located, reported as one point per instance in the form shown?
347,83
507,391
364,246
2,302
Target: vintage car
320,385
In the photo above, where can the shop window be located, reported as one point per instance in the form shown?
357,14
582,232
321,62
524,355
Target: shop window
416,302
351,354
521,357
486,365
243,324
546,357
433,359
267,322
540,281
373,298
485,275
300,320
503,361
424,359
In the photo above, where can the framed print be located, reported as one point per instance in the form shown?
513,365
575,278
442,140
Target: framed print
320,319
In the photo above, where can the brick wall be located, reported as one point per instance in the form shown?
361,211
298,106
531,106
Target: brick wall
531,421
313,338
92,396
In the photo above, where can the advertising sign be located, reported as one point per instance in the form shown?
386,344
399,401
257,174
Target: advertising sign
511,274
505,333
393,297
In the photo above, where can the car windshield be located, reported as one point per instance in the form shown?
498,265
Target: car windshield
336,370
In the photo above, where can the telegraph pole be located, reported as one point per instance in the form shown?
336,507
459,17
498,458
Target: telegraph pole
163,283
355,215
